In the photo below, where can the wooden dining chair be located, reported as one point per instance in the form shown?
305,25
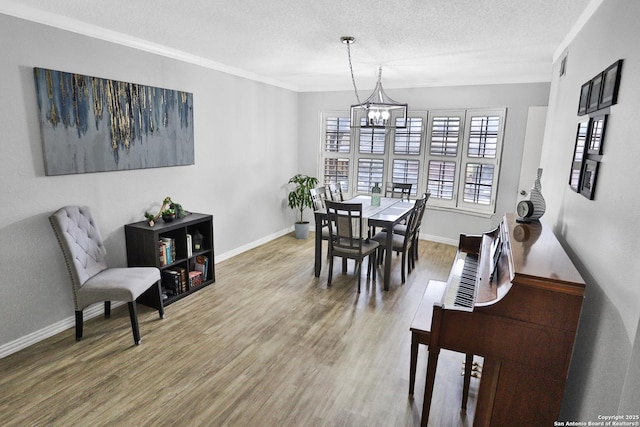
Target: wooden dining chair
319,197
335,192
401,229
403,244
348,239
398,190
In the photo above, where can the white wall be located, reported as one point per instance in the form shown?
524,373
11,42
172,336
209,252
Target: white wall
238,139
441,225
602,234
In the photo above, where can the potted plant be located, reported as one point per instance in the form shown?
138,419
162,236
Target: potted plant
300,198
168,214
168,211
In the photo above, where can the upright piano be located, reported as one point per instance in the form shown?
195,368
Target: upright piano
513,297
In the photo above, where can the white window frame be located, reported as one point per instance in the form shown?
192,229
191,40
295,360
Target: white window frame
419,186
346,188
462,158
389,156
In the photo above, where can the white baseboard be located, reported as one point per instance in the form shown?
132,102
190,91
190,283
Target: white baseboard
251,245
438,239
51,330
98,309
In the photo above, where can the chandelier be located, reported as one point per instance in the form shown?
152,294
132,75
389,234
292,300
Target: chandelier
378,110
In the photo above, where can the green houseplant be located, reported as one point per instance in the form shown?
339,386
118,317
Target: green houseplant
168,211
300,198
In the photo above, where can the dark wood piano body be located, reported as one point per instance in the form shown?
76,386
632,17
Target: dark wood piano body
523,323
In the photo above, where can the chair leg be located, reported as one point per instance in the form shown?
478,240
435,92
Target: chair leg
160,301
330,275
372,263
414,254
358,272
402,266
134,322
107,309
79,322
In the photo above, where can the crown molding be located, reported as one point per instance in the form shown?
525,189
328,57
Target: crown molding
584,17
68,24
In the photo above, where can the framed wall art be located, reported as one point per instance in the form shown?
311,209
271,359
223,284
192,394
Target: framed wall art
610,84
598,93
578,155
596,134
588,180
584,98
91,124
594,93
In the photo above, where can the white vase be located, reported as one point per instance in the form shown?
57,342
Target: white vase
539,205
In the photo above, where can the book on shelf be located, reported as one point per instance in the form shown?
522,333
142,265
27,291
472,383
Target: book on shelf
165,252
195,278
170,280
162,253
183,278
189,246
201,264
170,249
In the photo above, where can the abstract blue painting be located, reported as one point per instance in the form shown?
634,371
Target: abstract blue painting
91,124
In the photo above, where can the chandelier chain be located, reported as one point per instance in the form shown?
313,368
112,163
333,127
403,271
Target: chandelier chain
353,80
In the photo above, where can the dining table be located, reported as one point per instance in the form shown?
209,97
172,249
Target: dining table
389,213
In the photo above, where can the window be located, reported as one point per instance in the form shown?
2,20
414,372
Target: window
454,154
336,151
463,158
370,172
445,135
406,158
441,179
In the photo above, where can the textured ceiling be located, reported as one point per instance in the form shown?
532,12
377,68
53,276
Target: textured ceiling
296,43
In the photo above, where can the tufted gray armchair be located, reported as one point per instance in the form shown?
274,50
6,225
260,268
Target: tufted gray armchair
91,279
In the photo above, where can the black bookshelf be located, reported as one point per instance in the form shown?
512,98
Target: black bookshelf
179,265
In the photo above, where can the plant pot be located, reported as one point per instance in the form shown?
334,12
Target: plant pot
168,218
302,230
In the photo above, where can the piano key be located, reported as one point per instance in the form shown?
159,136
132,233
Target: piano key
461,287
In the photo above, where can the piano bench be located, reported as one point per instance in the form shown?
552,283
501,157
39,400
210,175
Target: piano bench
421,333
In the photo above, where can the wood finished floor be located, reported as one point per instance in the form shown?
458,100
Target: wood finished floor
268,344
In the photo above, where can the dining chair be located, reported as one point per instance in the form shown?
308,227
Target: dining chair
416,234
335,192
402,228
402,244
92,280
319,197
399,190
347,238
